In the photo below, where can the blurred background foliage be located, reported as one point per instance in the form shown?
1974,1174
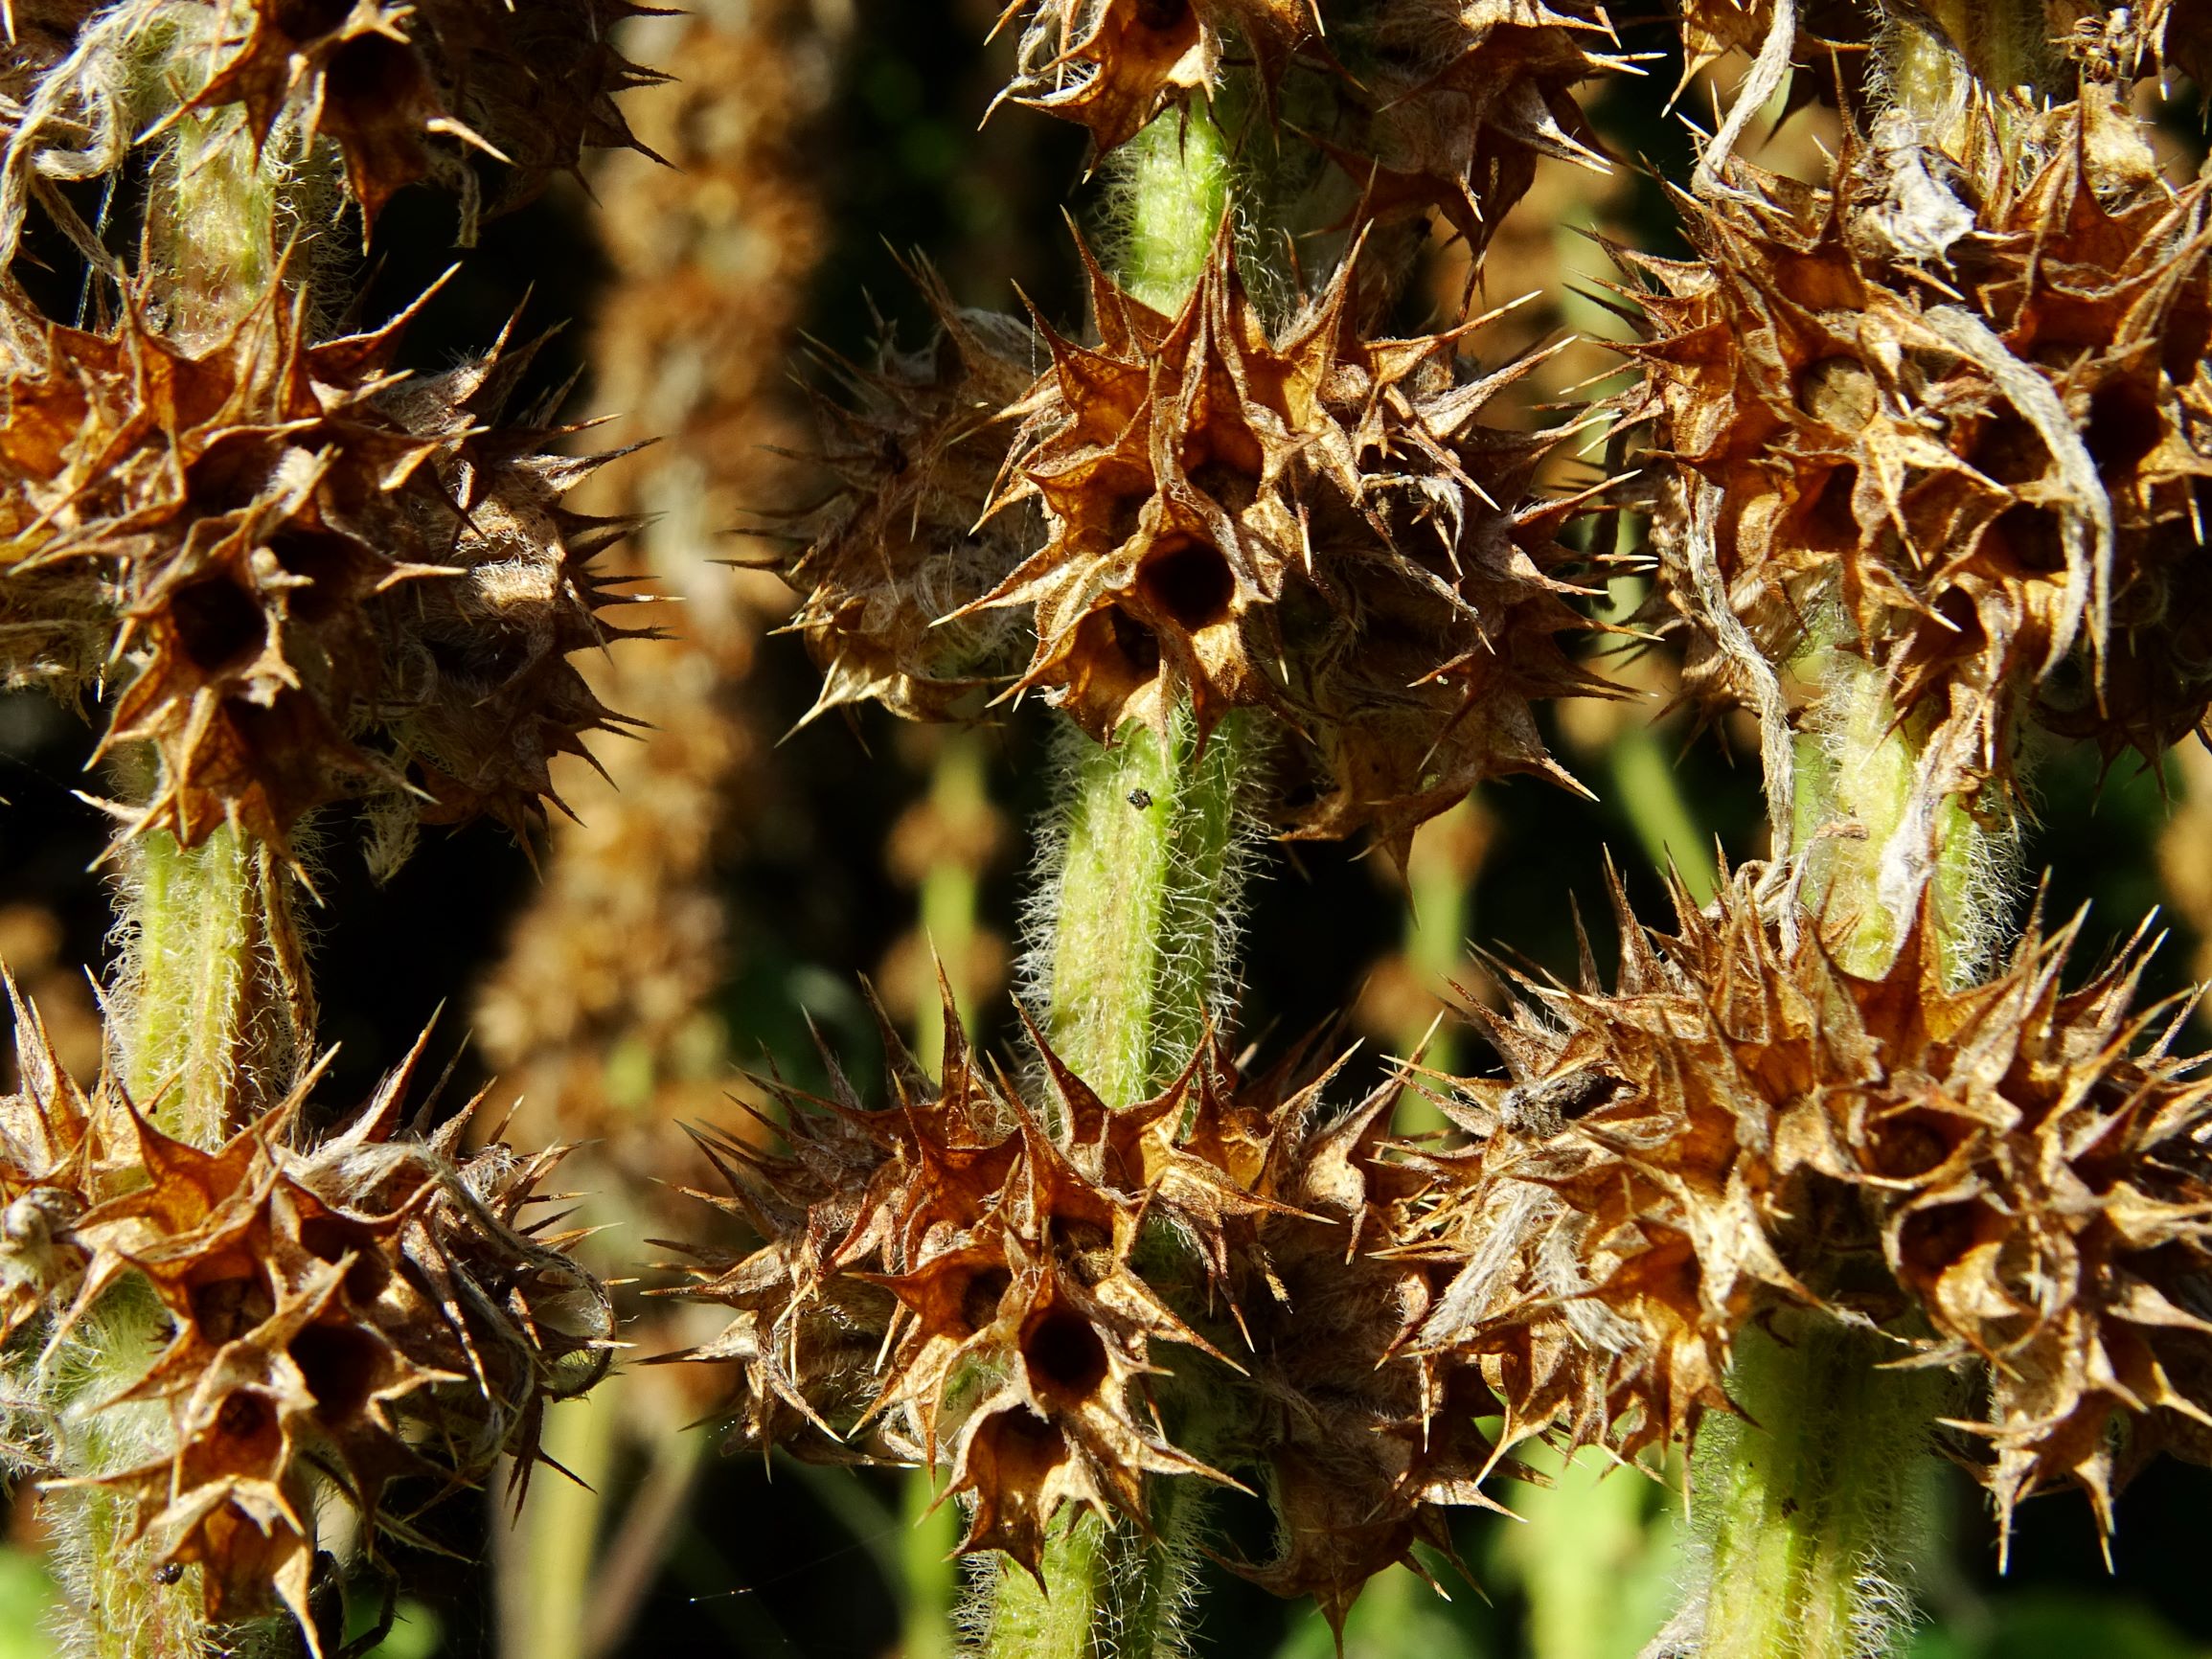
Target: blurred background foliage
826,140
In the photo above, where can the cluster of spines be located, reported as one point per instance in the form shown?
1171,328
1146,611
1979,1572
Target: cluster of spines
1054,1302
368,1315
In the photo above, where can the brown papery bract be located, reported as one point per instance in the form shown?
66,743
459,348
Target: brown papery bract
1902,446
406,90
370,1313
1114,65
332,579
1307,521
999,1284
2006,1180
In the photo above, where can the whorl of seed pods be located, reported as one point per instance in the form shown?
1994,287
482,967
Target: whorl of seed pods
1313,523
1451,103
1963,413
996,1285
917,447
1310,522
1112,65
406,89
1445,104
2004,1179
369,1315
332,579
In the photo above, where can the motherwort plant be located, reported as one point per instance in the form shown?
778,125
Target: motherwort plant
279,574
1838,1168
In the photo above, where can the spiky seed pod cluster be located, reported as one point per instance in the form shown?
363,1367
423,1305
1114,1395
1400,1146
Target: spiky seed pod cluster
1451,103
2005,1179
1426,104
405,91
1961,409
1309,522
331,580
369,1315
1305,520
899,550
1114,65
1025,1288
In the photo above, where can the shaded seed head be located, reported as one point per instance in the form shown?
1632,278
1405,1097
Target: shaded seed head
2005,1179
949,1281
321,579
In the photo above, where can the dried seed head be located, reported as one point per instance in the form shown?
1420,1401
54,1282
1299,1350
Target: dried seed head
1995,476
916,448
333,580
366,1311
950,1282
1309,522
1112,65
1312,522
2000,1178
1448,104
49,1165
406,89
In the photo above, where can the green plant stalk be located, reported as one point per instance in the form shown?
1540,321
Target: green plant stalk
1807,1514
1812,1514
961,797
548,1604
214,1012
210,1002
2001,44
1144,900
1136,927
1865,831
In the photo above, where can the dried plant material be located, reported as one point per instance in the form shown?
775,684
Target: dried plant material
1114,65
1453,103
2003,1180
1025,1290
370,1316
896,549
1313,523
1974,434
1309,522
406,90
331,580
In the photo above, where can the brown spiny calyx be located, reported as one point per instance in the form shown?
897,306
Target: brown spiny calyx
1311,522
1991,481
2004,1179
1039,1308
1362,1446
53,1161
406,89
1112,65
368,1313
1451,102
1831,38
990,1262
916,445
327,578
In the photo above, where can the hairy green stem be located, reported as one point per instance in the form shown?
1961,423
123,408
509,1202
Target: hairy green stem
1876,839
1812,1509
1142,904
210,1007
1935,63
1174,176
214,1013
1134,936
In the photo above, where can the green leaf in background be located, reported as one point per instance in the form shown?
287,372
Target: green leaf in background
2059,1624
26,1598
413,1635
